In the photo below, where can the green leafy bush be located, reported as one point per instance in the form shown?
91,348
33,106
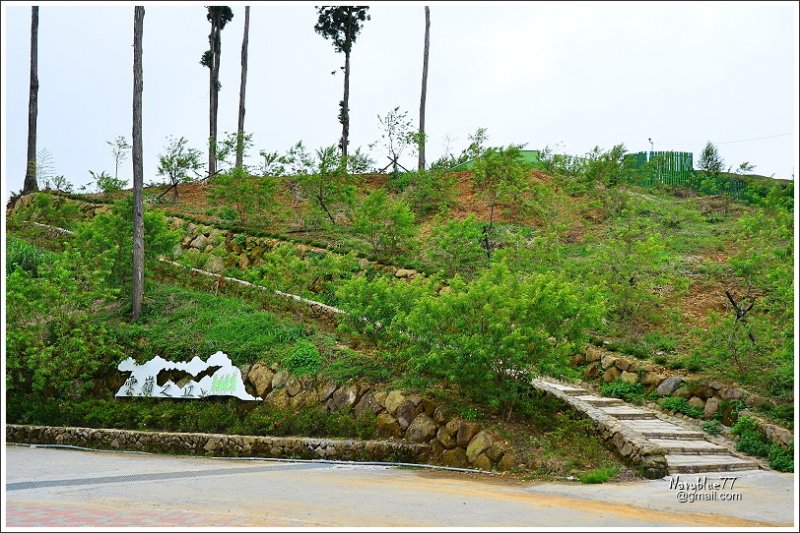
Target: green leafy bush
485,335
249,195
20,254
622,389
781,459
751,438
111,234
681,405
387,225
456,246
712,427
304,359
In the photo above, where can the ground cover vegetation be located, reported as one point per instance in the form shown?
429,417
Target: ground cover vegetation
519,266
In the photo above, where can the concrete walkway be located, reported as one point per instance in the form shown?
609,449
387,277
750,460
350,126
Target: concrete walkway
68,488
685,450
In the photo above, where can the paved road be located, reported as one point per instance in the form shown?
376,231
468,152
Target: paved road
48,487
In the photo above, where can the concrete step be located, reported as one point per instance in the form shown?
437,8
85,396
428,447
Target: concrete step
689,447
626,412
600,401
569,390
693,464
658,429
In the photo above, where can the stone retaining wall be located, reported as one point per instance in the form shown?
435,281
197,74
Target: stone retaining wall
705,395
399,416
222,445
226,248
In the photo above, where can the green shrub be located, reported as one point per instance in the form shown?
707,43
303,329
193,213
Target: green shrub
599,475
781,459
752,439
681,405
20,254
782,412
712,427
622,389
304,359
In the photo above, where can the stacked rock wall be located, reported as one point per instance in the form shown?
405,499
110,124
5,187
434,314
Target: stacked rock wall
400,416
712,397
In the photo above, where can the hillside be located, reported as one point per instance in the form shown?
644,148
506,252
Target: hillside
450,282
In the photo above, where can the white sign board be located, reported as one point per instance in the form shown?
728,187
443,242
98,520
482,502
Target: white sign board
143,381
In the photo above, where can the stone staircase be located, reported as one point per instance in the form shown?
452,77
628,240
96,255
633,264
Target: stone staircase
636,428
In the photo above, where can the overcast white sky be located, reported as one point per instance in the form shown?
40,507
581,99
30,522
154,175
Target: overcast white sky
536,73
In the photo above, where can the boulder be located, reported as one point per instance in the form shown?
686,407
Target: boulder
592,354
304,398
199,242
345,396
405,273
652,379
456,458
701,390
507,462
280,379
444,437
497,450
479,444
607,361
279,398
244,261
592,371
452,427
214,264
293,386
629,377
482,462
380,398
438,416
697,402
683,392
466,430
422,429
386,427
669,385
622,364
261,377
405,413
393,400
711,407
611,374
367,404
325,389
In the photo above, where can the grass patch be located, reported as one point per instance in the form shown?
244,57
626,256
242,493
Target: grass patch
599,475
681,405
178,324
630,392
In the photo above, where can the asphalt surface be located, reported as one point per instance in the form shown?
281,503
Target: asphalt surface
47,487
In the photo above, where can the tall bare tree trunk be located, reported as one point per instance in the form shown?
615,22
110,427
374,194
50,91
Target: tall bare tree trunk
345,111
33,105
424,95
242,88
212,97
138,168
